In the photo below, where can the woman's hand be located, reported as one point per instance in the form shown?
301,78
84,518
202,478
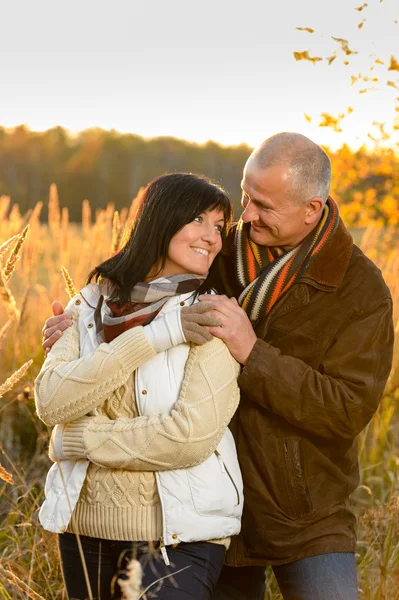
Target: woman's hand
235,329
195,320
54,326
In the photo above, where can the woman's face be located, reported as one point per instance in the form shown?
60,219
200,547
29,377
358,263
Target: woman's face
194,247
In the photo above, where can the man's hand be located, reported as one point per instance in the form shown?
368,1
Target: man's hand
235,330
54,326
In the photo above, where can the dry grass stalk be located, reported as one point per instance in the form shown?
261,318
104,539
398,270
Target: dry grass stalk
86,216
4,330
65,218
131,587
14,378
6,296
69,286
6,476
5,246
10,577
15,216
34,218
14,256
54,216
116,233
4,206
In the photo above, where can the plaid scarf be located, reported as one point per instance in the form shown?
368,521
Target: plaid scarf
146,300
263,277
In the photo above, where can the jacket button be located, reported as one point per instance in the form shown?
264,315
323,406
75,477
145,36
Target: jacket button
144,392
174,537
77,302
63,529
90,325
182,303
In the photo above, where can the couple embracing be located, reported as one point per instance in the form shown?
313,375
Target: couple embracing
279,326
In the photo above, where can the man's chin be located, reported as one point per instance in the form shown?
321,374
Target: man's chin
262,237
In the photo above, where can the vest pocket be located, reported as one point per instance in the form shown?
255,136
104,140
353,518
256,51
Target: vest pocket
298,502
214,491
224,469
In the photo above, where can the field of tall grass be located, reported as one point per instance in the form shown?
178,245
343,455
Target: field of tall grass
30,279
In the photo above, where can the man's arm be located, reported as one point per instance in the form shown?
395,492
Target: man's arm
182,438
339,399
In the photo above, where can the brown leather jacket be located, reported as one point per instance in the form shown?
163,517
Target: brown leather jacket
312,383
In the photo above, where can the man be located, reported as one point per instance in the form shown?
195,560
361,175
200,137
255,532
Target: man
313,330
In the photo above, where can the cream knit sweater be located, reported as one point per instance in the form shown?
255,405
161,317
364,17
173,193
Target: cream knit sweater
119,498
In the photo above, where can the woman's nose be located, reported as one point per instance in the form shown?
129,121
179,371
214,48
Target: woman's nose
210,234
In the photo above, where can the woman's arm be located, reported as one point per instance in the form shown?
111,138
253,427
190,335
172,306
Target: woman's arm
184,437
69,386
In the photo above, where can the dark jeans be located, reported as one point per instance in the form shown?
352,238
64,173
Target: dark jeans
106,559
324,577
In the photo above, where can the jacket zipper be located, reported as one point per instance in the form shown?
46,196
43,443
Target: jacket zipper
163,552
224,469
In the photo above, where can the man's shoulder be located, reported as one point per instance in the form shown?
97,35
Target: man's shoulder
365,278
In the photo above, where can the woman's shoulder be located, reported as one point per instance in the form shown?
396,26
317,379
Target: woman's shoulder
215,352
85,301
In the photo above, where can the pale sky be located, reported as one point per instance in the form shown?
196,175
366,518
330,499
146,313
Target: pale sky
210,69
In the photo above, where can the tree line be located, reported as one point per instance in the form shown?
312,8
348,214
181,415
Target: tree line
107,166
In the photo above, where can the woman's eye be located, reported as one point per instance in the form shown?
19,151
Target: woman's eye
199,219
219,228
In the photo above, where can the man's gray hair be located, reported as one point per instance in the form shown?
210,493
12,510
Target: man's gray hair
308,165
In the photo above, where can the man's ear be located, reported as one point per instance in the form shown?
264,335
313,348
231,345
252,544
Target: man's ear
313,210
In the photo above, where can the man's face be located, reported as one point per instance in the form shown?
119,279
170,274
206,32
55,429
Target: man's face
276,220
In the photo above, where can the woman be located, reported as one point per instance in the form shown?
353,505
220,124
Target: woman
143,456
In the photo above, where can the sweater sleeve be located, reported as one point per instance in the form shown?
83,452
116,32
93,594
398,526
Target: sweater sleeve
69,386
182,438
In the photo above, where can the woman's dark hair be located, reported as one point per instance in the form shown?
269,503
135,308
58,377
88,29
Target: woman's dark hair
168,204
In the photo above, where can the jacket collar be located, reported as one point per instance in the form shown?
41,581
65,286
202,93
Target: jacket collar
329,268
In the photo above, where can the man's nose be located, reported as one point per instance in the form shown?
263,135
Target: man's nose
249,213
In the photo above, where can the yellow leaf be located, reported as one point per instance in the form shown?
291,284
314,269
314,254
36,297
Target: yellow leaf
308,29
350,110
360,8
330,121
346,62
344,45
394,64
393,84
307,117
305,56
331,58
378,61
361,24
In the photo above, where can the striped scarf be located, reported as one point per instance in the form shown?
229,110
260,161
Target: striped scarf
263,277
146,300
